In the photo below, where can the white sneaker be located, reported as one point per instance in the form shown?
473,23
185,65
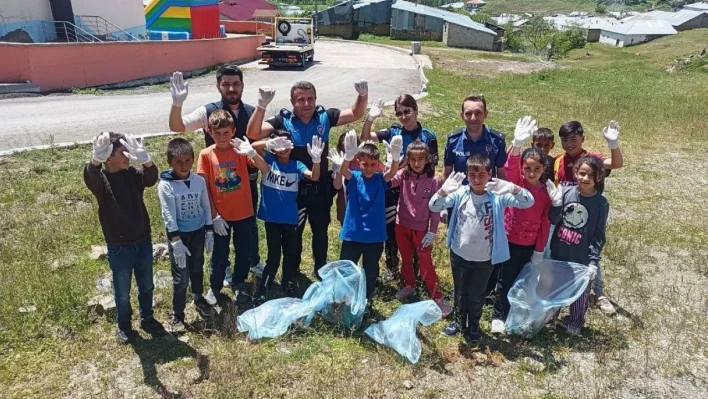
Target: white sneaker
228,277
258,269
497,326
210,298
606,306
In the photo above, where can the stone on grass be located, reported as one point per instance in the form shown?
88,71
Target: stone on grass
408,384
162,279
98,252
102,304
27,309
159,252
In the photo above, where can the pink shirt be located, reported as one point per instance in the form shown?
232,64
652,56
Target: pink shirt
529,226
413,210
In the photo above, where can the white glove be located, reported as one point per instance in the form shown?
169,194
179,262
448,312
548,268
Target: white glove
209,242
179,89
316,149
136,149
537,258
443,216
611,134
500,187
350,147
395,148
278,144
428,239
389,159
362,87
524,130
453,183
220,226
554,193
337,158
265,96
180,253
243,147
592,272
375,110
102,147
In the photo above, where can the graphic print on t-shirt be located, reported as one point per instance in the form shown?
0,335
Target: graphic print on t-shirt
281,181
189,206
227,179
472,238
575,217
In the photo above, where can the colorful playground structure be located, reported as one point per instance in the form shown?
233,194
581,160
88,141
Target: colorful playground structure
183,20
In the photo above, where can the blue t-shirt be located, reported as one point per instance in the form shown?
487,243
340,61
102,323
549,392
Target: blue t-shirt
279,189
365,217
459,147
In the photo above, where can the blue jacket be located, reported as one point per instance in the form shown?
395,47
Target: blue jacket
500,246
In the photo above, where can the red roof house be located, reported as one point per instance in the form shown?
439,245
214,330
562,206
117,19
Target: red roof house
242,10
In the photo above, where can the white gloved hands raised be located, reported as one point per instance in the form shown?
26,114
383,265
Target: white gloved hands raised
209,241
362,87
220,226
500,187
265,96
427,240
611,134
389,160
179,89
395,148
452,183
337,158
136,149
278,144
537,258
375,110
316,149
554,193
102,147
524,130
350,145
243,147
180,253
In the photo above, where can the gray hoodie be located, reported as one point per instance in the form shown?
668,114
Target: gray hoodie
185,203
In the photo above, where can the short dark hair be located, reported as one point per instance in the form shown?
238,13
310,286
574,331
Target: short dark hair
406,100
542,133
478,161
178,147
571,127
302,85
281,133
115,140
228,70
474,98
598,170
220,119
369,151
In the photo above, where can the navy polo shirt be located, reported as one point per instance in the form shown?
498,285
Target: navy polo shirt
425,135
459,148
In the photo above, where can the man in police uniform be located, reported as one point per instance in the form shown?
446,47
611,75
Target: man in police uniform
229,82
306,120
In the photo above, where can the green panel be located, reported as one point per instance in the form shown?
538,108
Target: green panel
172,24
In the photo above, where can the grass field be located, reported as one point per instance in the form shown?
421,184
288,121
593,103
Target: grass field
655,265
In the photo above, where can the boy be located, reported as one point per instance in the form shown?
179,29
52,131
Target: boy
187,215
364,228
572,139
224,167
476,236
278,208
125,223
543,140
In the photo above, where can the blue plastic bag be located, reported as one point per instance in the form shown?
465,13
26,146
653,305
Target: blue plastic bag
399,331
539,291
273,318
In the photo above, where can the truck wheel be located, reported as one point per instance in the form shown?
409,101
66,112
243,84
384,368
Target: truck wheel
284,27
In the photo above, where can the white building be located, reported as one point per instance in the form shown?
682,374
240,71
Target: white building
696,6
682,20
634,32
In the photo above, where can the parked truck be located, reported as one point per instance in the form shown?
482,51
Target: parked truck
293,43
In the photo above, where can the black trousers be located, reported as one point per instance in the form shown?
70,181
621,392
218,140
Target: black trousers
391,246
314,202
470,281
281,239
371,253
520,255
194,272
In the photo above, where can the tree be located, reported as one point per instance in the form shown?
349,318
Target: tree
539,34
514,41
565,40
480,17
600,9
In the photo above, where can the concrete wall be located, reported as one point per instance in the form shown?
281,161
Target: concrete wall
700,21
612,39
459,36
125,14
67,65
25,15
345,31
592,35
418,35
376,29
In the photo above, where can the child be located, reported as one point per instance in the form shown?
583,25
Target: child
364,228
187,215
543,140
475,236
125,223
571,134
416,225
278,208
223,165
526,229
580,222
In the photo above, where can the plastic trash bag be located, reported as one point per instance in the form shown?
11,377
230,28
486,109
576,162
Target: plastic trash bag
399,331
273,318
540,291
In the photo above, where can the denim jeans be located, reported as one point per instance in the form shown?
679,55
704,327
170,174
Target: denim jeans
126,260
194,272
240,231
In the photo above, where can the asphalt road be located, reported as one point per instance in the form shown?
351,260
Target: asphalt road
34,121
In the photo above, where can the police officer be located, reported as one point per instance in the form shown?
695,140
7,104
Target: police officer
307,119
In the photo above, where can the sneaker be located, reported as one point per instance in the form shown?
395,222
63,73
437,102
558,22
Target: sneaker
203,307
452,329
241,293
569,329
210,297
497,326
405,292
175,326
471,339
258,269
444,307
606,306
152,326
123,335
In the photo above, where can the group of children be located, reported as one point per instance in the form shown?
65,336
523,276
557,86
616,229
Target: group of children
491,223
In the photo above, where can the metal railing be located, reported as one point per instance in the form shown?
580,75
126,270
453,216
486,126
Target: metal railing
104,29
64,31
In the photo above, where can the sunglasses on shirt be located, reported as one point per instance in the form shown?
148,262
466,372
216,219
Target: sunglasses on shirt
405,112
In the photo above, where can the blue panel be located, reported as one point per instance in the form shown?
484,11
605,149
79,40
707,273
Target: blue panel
35,29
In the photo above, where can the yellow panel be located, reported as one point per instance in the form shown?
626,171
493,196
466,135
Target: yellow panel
150,5
176,12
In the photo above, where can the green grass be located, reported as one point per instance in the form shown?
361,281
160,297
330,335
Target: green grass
654,265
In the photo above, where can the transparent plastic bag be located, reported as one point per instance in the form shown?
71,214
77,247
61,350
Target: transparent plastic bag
273,318
399,331
539,291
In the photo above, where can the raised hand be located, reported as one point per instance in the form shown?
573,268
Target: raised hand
395,148
362,87
243,147
136,149
278,144
375,110
611,134
265,96
102,147
524,129
316,149
453,183
337,158
554,193
178,88
350,146
500,187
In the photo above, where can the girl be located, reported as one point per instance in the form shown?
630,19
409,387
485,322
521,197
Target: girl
580,220
526,229
416,225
